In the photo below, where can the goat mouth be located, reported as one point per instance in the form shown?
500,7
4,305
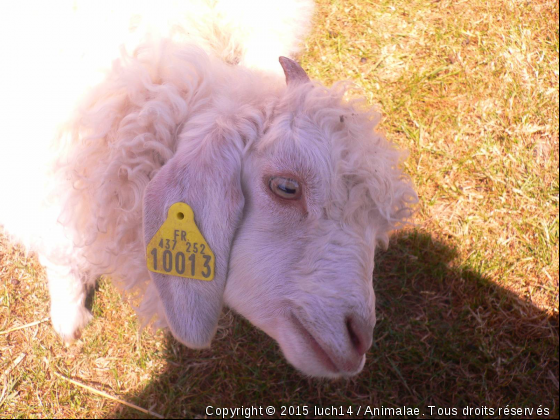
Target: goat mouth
319,351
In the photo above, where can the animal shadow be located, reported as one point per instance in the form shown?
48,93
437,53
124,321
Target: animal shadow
446,337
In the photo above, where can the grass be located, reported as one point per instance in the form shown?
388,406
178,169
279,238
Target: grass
467,299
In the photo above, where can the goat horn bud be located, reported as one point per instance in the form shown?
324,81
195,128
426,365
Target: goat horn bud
293,71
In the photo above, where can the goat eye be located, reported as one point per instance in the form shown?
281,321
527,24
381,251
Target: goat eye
286,188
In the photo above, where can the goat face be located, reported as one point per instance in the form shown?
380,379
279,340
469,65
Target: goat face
294,228
302,260
302,276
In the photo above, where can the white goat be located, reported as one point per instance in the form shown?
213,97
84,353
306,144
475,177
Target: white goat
290,186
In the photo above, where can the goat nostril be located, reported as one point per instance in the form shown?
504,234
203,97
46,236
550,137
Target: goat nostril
354,338
359,336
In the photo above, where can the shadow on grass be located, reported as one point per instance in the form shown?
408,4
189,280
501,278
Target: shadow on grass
445,337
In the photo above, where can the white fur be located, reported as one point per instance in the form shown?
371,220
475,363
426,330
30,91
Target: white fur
209,124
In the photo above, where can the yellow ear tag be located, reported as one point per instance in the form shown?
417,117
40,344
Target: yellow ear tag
179,249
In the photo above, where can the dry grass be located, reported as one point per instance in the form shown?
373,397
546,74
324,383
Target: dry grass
467,301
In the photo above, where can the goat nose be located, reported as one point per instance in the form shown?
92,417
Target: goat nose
361,334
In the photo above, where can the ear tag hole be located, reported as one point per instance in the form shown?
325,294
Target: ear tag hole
180,216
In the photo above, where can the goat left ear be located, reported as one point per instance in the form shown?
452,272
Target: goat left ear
208,180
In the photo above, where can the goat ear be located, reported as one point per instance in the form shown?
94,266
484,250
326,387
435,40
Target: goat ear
208,180
293,71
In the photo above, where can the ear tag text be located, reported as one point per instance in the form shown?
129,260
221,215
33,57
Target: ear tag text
179,249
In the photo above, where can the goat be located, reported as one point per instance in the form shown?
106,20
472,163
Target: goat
289,185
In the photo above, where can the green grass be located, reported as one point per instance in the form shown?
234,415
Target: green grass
467,299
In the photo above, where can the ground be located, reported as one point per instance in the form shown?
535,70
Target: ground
467,297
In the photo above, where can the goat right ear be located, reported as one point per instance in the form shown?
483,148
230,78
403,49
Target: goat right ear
207,178
293,71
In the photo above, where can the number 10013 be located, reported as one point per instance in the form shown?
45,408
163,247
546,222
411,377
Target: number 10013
181,263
